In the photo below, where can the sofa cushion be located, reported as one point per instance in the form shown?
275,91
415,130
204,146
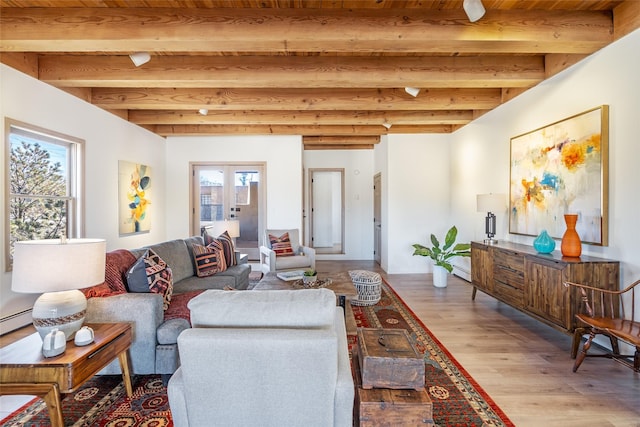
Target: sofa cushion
304,308
209,259
160,277
229,249
281,245
168,331
176,254
137,280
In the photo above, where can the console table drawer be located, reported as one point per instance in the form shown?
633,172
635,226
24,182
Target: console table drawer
509,259
509,294
509,276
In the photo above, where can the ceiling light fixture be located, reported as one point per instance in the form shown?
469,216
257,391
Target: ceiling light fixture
203,111
413,91
474,9
387,125
139,58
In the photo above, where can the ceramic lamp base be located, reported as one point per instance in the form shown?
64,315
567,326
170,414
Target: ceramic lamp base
62,310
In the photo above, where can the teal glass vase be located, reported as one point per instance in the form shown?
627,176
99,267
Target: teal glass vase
544,243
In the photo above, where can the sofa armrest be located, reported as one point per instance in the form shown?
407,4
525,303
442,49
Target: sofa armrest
268,258
345,389
144,311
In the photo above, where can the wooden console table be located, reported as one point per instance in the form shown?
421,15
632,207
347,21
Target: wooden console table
534,283
24,370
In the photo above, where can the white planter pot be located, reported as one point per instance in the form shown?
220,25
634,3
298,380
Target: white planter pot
440,276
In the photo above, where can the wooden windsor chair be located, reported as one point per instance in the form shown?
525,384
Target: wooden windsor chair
610,313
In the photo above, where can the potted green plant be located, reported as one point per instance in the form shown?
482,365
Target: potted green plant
442,255
309,276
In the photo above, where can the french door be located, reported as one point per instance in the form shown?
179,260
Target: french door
230,192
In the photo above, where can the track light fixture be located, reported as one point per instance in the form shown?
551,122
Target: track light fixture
474,9
139,58
413,91
203,111
387,125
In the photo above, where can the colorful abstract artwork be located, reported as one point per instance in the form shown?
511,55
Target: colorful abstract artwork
558,169
134,185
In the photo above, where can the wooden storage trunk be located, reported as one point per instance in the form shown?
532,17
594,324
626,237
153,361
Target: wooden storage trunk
390,407
388,359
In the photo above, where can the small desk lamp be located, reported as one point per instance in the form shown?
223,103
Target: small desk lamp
58,267
490,203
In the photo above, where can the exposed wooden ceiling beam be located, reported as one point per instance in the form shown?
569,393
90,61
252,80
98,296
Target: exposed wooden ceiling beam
166,130
303,118
293,71
294,99
341,140
301,30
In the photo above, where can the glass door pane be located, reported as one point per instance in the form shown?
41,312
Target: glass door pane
230,193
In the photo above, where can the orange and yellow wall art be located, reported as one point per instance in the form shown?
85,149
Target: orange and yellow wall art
559,169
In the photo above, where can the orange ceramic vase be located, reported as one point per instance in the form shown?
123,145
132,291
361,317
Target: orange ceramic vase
571,246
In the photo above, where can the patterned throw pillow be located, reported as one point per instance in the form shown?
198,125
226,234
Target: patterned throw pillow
229,249
153,271
209,259
281,245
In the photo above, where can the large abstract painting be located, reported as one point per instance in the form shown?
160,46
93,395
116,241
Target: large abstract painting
134,185
558,169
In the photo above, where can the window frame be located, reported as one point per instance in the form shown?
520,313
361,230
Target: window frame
75,178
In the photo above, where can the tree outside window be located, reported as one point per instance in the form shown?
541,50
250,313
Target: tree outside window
43,200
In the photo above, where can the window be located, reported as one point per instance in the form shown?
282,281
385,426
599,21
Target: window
43,185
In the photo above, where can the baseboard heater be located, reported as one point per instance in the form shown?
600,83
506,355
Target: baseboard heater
15,321
462,272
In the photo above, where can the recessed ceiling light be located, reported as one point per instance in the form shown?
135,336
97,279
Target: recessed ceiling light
203,111
413,91
139,58
387,125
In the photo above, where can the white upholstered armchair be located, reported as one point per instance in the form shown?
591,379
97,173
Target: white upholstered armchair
263,358
300,257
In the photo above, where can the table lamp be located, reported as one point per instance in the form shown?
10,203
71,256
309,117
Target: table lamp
231,226
58,267
490,203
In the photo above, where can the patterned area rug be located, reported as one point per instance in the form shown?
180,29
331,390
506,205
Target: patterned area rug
103,402
457,399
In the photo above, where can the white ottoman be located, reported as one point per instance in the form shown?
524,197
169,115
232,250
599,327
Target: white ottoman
367,284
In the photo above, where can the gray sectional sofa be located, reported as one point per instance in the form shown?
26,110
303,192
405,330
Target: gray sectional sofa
154,349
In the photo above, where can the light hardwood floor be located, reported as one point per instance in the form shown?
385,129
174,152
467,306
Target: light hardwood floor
524,365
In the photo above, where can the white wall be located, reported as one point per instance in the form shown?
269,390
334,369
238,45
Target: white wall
283,158
481,150
416,197
107,140
358,199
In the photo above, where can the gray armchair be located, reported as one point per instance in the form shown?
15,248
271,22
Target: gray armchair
303,257
263,358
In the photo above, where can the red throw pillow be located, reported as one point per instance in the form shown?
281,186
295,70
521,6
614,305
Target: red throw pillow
117,264
281,245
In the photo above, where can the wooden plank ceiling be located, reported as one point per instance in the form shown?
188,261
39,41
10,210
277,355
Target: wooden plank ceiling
333,71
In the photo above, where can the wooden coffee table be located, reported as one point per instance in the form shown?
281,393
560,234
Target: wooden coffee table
24,370
341,285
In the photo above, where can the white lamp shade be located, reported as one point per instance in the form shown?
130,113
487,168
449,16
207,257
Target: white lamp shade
491,202
53,266
230,226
